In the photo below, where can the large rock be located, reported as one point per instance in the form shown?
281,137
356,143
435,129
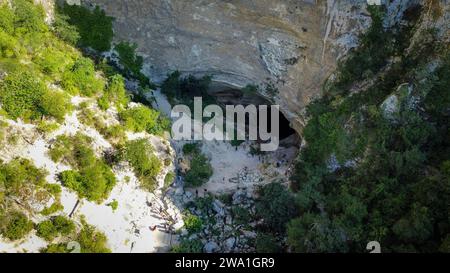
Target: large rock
210,247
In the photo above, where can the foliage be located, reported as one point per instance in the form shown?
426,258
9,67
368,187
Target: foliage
94,26
370,56
276,206
168,179
267,243
9,46
15,225
114,205
81,78
185,89
139,153
128,58
51,60
192,223
116,93
6,18
93,178
21,175
131,62
64,30
250,89
188,246
391,174
25,96
55,207
200,168
54,227
241,215
199,172
28,17
191,148
141,118
90,240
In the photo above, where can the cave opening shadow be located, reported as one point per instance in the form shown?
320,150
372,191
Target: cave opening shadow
236,97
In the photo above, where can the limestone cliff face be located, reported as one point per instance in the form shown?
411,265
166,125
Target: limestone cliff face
293,44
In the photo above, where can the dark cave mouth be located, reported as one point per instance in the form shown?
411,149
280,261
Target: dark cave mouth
237,97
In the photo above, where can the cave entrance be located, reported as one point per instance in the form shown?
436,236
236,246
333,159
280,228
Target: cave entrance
237,97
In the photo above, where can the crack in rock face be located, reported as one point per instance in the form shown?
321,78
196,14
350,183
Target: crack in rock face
292,45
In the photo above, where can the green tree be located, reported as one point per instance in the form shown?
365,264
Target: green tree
267,243
200,171
140,154
15,226
81,78
28,17
64,30
6,18
141,118
94,27
276,206
21,95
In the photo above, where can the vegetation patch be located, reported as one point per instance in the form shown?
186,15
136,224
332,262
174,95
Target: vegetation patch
390,172
94,26
15,225
55,227
140,154
200,169
93,178
89,239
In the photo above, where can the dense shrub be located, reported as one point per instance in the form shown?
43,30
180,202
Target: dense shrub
390,179
276,206
53,208
93,183
28,17
200,171
93,178
114,205
56,104
142,118
81,78
191,148
90,240
192,223
131,62
267,243
25,96
72,150
187,245
54,227
51,61
139,153
64,30
115,93
94,26
168,179
6,18
19,175
15,225
9,46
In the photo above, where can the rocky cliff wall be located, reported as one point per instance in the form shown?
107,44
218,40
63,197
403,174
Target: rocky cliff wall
293,45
